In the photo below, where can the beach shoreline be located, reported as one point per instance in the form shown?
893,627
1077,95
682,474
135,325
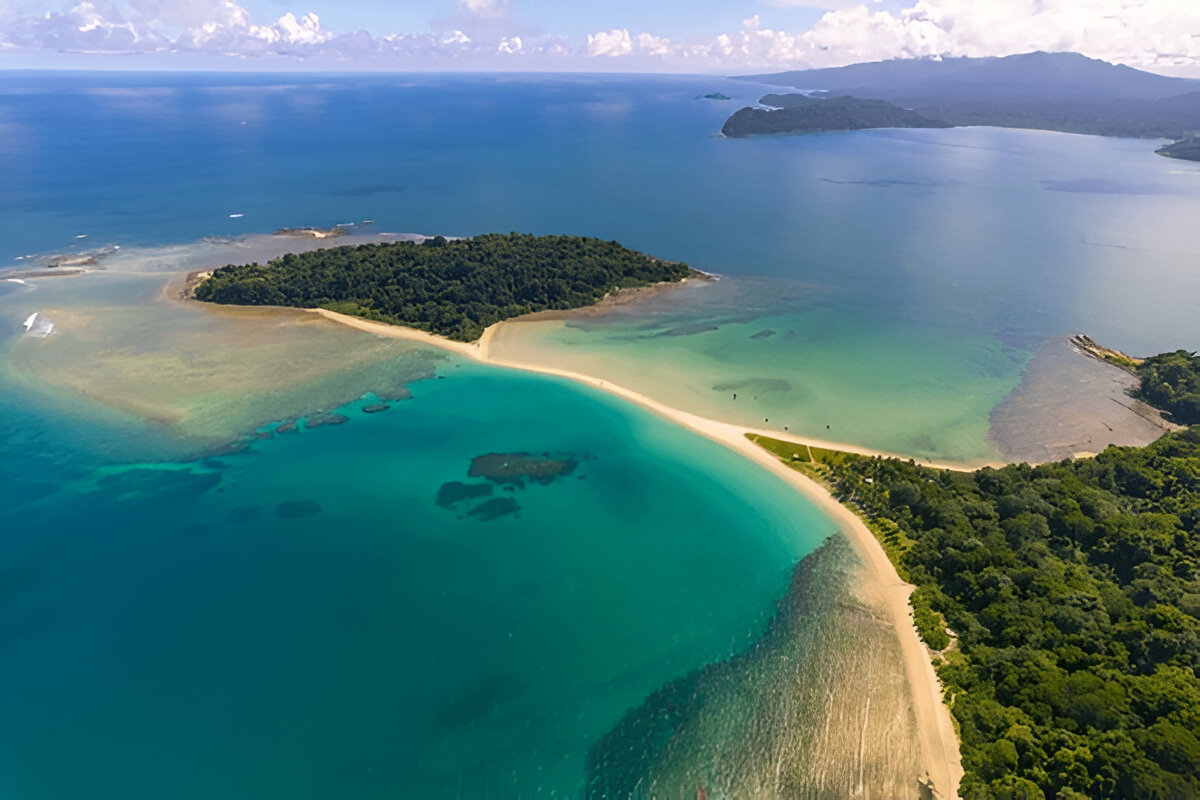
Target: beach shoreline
941,761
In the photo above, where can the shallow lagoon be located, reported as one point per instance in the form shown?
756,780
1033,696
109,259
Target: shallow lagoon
302,617
919,270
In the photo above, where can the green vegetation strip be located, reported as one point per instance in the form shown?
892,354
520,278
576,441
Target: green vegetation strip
1171,381
454,288
1074,593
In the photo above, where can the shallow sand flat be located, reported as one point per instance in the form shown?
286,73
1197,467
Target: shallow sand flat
1069,404
210,376
917,391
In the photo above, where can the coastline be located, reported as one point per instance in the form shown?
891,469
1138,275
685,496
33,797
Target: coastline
940,756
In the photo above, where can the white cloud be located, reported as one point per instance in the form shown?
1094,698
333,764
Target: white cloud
1159,34
1149,33
487,8
1143,33
654,45
616,42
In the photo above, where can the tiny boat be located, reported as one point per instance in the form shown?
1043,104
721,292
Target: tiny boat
32,318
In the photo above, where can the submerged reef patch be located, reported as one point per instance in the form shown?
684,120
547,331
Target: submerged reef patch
165,484
454,492
320,420
516,468
511,472
692,329
494,509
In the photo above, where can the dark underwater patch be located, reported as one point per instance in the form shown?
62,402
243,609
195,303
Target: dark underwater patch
321,420
516,468
295,509
479,701
689,330
457,491
490,510
162,484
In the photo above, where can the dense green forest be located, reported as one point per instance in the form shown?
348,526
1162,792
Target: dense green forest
1171,381
454,288
797,113
1072,591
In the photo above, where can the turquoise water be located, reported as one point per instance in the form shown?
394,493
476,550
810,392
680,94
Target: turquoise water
1014,234
170,630
302,620
940,247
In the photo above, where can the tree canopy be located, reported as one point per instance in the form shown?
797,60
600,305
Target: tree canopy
1171,381
1073,591
454,288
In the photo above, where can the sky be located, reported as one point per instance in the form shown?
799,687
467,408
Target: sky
701,36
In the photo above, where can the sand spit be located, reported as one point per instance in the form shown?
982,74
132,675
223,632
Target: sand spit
940,758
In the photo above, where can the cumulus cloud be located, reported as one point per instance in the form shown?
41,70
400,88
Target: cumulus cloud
616,42
1145,33
157,26
1150,33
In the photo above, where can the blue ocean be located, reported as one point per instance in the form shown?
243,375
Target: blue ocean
221,577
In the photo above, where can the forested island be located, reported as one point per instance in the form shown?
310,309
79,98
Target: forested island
1062,602
798,113
453,288
1187,148
1046,91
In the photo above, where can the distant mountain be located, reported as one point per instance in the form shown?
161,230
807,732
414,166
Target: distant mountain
1050,91
1029,76
797,113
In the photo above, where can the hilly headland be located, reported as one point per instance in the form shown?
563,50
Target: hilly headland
1043,91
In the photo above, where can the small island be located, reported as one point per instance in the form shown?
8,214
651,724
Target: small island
452,288
1187,148
798,113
